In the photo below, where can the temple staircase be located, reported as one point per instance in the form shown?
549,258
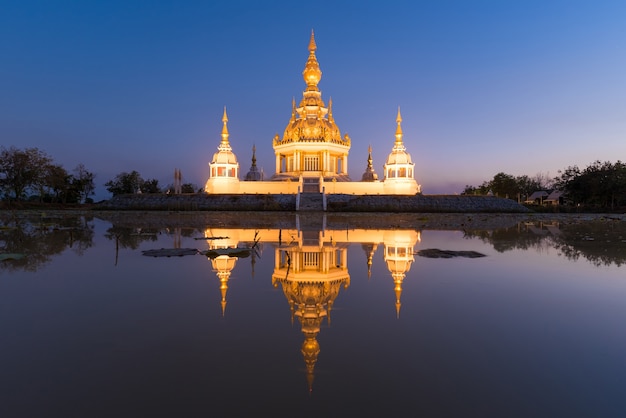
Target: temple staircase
311,199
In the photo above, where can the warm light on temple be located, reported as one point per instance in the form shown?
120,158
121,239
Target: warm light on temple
312,154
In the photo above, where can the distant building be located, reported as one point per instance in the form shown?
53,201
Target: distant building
312,152
554,198
542,197
536,198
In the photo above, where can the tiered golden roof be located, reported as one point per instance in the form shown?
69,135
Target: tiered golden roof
312,121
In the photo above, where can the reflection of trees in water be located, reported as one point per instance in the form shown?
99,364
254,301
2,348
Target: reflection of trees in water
41,238
600,242
132,237
508,239
128,237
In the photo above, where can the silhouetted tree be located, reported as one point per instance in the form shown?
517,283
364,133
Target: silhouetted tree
506,185
150,186
83,183
21,170
57,184
601,184
188,188
124,183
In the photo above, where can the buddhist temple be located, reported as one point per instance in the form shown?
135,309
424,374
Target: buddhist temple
312,154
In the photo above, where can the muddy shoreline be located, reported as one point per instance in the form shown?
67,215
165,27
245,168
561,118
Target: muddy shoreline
313,220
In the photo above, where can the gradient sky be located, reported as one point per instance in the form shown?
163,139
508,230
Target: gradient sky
514,86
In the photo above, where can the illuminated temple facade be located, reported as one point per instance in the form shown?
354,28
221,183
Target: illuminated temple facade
312,155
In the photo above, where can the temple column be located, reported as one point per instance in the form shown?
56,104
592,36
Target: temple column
278,164
344,164
326,161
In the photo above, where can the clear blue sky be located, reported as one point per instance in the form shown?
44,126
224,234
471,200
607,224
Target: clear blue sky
521,87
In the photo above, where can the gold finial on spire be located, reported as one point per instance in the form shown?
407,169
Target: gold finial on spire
399,146
225,127
312,73
399,128
293,109
312,46
224,145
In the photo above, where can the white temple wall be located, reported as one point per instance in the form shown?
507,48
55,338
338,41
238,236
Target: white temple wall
269,187
234,186
222,185
352,187
401,186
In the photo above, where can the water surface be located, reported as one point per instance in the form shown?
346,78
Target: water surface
313,321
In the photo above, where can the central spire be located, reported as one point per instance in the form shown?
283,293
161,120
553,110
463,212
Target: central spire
312,73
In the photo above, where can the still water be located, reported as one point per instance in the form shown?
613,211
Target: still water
311,321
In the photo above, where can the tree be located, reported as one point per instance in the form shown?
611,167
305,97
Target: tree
504,185
527,186
124,183
188,188
21,170
599,184
150,186
543,181
57,182
83,183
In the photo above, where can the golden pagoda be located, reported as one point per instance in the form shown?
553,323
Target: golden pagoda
313,152
312,145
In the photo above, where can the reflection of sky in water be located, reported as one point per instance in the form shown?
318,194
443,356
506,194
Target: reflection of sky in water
515,333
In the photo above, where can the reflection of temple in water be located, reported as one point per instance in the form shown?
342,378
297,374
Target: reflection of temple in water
311,275
399,249
311,267
224,264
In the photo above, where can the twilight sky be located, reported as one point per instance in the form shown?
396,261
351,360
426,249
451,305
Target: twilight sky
514,86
